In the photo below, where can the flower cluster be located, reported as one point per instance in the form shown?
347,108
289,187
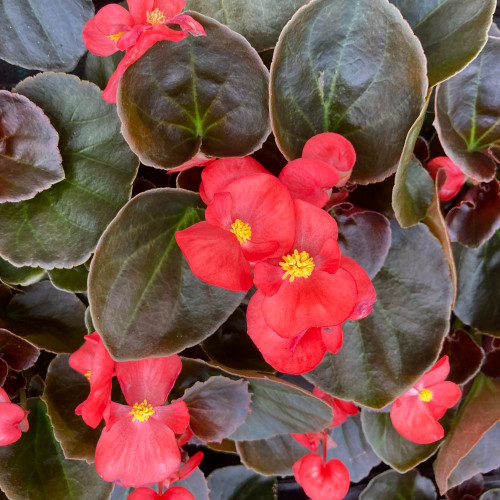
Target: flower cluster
138,445
13,420
272,233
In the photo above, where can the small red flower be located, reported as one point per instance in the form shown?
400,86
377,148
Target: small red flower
415,414
455,178
13,420
322,481
94,361
135,31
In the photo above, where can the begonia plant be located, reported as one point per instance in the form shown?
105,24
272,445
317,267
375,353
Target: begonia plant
249,250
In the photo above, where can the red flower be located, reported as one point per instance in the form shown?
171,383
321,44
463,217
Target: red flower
138,445
94,361
13,420
135,31
322,481
455,178
250,221
416,413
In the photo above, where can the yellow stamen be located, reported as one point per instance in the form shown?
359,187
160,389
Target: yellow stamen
88,375
141,411
425,395
156,17
116,36
242,230
298,265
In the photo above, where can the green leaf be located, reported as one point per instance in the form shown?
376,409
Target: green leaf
390,446
29,157
196,484
34,467
391,485
99,70
339,67
478,298
384,354
239,483
468,114
60,226
479,413
205,100
70,280
19,275
142,292
259,22
48,318
65,389
452,32
217,407
44,35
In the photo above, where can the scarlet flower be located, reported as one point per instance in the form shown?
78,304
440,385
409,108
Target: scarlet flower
455,178
320,480
415,414
13,420
251,220
138,445
135,31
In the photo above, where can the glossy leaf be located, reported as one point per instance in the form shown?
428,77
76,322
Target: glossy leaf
44,35
29,157
48,318
205,100
402,337
99,168
468,116
391,485
141,289
217,407
452,32
478,296
17,352
65,389
239,483
338,67
34,467
71,280
19,275
259,22
478,414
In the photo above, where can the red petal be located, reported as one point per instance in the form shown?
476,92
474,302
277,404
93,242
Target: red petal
137,453
332,338
149,379
175,415
444,395
170,8
268,277
436,374
341,409
139,9
215,256
11,417
310,440
81,359
455,178
328,258
189,467
177,493
187,24
143,494
322,481
218,212
110,92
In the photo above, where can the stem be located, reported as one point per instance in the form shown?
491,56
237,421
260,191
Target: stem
160,487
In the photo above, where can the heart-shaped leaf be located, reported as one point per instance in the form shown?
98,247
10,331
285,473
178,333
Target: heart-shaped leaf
29,157
44,35
205,99
468,113
452,32
28,464
259,22
384,354
99,168
338,66
141,289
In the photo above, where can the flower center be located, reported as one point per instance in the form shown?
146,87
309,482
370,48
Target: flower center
116,36
141,411
298,265
425,395
87,374
155,17
242,230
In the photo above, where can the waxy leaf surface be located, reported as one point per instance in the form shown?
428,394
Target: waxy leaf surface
338,66
145,301
478,298
44,35
452,32
205,99
19,275
34,467
468,113
384,354
17,352
71,280
29,157
259,22
60,226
